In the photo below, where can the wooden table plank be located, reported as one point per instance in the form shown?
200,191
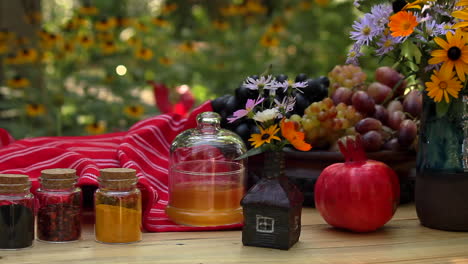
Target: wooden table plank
402,240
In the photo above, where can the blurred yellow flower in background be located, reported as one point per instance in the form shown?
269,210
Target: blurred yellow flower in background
187,46
105,24
96,128
34,110
322,3
27,55
3,48
33,18
85,41
169,8
68,47
105,36
305,5
269,41
10,59
254,6
108,47
221,25
144,54
88,10
18,82
165,61
276,27
22,41
141,26
134,41
134,111
161,22
122,21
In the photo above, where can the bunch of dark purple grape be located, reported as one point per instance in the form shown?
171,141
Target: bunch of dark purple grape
316,90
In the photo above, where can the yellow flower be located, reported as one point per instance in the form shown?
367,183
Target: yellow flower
160,22
402,24
454,54
96,128
165,61
3,48
80,21
105,24
11,59
123,21
276,27
134,111
232,10
134,41
18,82
265,136
142,26
22,41
221,25
34,110
255,7
418,4
68,47
27,55
269,41
444,83
105,36
34,18
6,35
88,10
108,47
169,8
462,15
187,46
144,54
85,41
322,2
305,5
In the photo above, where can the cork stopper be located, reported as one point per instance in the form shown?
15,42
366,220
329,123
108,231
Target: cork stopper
14,183
58,178
119,178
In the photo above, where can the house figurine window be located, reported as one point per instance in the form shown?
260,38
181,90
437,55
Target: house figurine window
265,224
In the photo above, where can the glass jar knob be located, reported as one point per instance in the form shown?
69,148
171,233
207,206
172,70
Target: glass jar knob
209,122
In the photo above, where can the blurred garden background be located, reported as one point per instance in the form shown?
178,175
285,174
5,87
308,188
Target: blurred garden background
78,67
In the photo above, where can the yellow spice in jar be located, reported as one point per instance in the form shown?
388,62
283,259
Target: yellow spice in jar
117,224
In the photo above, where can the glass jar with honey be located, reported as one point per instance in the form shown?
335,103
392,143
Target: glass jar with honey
206,175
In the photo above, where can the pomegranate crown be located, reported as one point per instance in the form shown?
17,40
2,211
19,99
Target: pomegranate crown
352,149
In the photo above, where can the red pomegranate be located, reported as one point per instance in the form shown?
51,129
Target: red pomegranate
359,195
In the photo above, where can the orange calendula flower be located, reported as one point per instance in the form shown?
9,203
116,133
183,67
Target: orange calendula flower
443,84
454,54
402,24
134,111
96,128
265,136
34,110
295,137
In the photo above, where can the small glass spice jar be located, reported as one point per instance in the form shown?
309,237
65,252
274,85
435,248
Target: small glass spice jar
59,212
118,207
16,212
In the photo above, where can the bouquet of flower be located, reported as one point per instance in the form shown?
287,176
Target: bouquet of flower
269,114
426,38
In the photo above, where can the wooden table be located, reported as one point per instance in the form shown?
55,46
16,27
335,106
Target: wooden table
403,240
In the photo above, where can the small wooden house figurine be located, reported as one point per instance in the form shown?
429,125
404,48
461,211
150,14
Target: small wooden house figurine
272,214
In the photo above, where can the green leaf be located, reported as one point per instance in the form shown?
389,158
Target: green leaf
410,51
442,108
252,152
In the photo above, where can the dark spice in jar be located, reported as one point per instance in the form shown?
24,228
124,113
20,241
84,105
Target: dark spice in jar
59,222
16,226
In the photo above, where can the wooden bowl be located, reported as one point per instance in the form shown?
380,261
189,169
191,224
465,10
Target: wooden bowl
303,168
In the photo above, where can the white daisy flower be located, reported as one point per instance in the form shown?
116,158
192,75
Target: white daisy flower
266,115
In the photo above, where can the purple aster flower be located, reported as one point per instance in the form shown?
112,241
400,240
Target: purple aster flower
249,106
380,17
364,30
260,83
290,85
353,54
286,105
386,44
357,3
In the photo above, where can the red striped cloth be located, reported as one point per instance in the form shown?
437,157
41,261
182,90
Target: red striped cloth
145,148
